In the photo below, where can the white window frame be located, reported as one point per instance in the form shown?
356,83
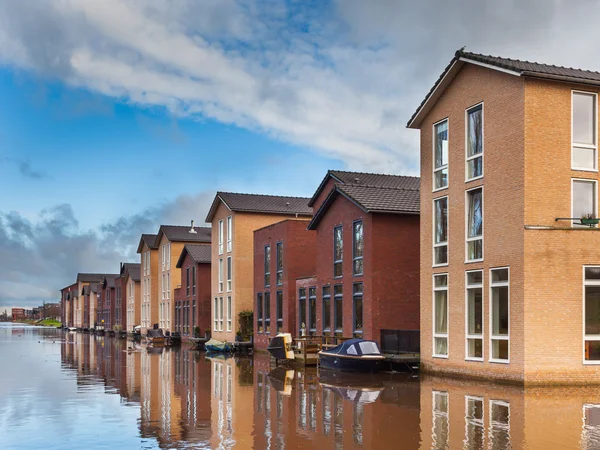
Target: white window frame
220,232
220,270
474,422
229,233
216,314
467,157
585,180
492,337
474,336
440,335
229,265
229,315
221,313
444,166
585,337
441,244
593,146
467,238
491,405
437,413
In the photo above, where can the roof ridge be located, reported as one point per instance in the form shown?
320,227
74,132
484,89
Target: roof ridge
370,186
374,173
263,195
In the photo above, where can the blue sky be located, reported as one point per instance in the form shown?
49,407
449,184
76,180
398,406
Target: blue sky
119,115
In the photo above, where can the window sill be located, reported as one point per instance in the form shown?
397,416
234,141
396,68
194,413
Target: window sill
472,261
440,356
580,169
474,359
439,189
499,361
435,266
591,363
468,180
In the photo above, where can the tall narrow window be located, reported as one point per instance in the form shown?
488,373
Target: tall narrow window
193,280
301,310
338,253
279,311
474,244
584,142
440,232
326,309
584,194
475,142
312,311
440,315
357,313
216,315
592,314
229,233
259,313
267,265
187,282
229,274
440,157
229,313
220,274
220,313
475,432
499,434
221,237
279,250
357,248
500,314
474,315
267,312
440,433
338,307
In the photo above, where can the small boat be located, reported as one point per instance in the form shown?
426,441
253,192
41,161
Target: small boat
280,346
355,355
216,346
155,336
72,329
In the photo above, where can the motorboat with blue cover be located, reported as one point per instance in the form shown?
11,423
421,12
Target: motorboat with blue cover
355,355
214,345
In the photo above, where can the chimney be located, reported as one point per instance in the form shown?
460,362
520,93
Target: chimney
192,231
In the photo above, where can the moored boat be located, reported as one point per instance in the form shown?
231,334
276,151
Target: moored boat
216,346
155,337
355,355
280,346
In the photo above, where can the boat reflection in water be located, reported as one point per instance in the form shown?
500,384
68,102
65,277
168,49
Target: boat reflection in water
188,399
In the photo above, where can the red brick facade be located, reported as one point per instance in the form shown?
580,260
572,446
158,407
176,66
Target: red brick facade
192,303
67,305
299,251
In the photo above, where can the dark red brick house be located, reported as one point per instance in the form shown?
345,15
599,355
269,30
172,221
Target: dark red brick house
367,257
89,301
192,298
67,295
283,252
106,298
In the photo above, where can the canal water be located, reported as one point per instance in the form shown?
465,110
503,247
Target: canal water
61,390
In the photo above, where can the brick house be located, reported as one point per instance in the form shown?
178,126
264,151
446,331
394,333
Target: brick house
148,251
234,217
67,305
509,166
89,292
367,257
105,303
283,252
124,293
131,275
192,298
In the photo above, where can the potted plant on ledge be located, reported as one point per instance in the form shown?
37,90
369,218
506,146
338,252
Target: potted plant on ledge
589,219
238,336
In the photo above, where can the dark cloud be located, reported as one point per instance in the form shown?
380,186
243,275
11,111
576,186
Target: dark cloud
25,168
43,255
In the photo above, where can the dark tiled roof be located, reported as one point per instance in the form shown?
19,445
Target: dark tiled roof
200,254
182,234
91,277
258,203
133,269
149,240
521,68
110,279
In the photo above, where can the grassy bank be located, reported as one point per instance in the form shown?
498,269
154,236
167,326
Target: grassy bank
44,323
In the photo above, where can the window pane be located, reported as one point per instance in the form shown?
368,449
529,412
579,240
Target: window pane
338,244
440,280
584,158
441,220
475,131
475,218
358,267
499,275
312,308
358,307
499,349
592,350
475,249
369,348
358,239
337,269
441,144
441,254
500,311
474,167
475,313
592,273
326,313
475,348
441,312
441,178
441,346
583,118
475,277
584,198
592,310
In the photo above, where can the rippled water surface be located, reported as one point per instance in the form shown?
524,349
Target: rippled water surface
63,390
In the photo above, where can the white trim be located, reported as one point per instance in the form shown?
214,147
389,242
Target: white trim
434,245
433,333
220,231
595,212
478,155
593,146
447,165
592,337
490,66
498,337
474,336
229,233
467,238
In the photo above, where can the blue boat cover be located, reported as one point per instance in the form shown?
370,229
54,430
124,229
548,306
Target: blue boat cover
355,347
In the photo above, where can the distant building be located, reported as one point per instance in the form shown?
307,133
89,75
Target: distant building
18,314
148,251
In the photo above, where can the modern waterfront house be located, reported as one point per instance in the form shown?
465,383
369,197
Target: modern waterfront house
106,299
283,252
148,251
130,301
192,298
234,217
367,259
510,269
170,241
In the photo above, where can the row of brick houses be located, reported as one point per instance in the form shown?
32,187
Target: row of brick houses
489,253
